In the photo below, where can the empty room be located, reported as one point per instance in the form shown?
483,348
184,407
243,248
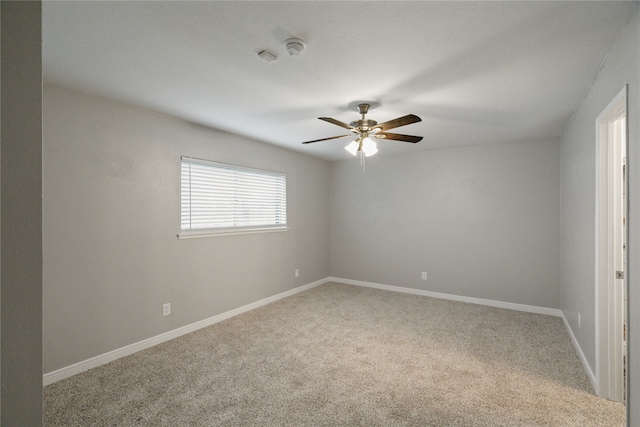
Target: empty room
320,213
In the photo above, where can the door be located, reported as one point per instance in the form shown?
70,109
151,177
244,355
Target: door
611,233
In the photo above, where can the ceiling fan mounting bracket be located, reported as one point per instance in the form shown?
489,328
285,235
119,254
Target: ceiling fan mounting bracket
363,109
354,105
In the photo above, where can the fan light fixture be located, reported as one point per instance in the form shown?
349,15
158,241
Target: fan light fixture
366,145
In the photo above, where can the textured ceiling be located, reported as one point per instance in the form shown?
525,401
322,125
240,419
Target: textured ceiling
474,72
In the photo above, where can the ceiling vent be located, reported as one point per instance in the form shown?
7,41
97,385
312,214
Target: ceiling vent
267,56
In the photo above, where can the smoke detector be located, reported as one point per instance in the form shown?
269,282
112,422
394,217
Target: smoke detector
294,46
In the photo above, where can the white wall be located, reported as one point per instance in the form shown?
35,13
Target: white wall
111,216
481,220
578,206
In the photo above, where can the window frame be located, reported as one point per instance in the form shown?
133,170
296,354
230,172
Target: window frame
191,233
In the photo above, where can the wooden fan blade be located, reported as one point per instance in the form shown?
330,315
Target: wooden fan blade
326,139
400,121
398,137
336,122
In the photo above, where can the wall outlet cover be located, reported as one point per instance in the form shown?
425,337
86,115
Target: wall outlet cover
579,321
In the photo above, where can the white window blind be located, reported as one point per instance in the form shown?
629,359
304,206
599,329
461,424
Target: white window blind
219,198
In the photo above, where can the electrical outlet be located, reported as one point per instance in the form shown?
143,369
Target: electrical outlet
297,273
424,275
579,321
166,309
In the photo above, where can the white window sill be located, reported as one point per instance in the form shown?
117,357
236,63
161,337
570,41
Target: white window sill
198,234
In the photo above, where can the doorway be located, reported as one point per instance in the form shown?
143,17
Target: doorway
611,232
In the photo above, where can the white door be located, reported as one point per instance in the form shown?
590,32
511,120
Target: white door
611,250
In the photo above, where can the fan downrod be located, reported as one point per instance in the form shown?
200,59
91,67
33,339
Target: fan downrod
363,126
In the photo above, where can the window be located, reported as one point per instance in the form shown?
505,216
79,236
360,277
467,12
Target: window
217,198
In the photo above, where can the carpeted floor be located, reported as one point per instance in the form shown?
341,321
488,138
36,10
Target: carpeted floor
341,355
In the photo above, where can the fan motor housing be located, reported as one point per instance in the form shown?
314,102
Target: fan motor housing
363,125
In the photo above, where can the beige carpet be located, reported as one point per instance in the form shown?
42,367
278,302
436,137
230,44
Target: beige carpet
340,355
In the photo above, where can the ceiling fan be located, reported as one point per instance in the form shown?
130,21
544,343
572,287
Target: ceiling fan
365,129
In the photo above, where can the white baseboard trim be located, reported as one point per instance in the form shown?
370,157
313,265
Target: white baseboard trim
583,359
471,300
94,362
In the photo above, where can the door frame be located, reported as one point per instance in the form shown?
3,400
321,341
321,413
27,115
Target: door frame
609,309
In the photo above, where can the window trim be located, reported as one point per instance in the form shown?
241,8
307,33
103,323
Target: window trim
227,231
197,234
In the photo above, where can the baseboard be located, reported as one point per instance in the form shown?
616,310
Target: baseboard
94,362
583,359
471,300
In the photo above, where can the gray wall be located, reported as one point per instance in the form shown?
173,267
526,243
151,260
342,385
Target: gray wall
482,221
111,215
21,224
578,207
